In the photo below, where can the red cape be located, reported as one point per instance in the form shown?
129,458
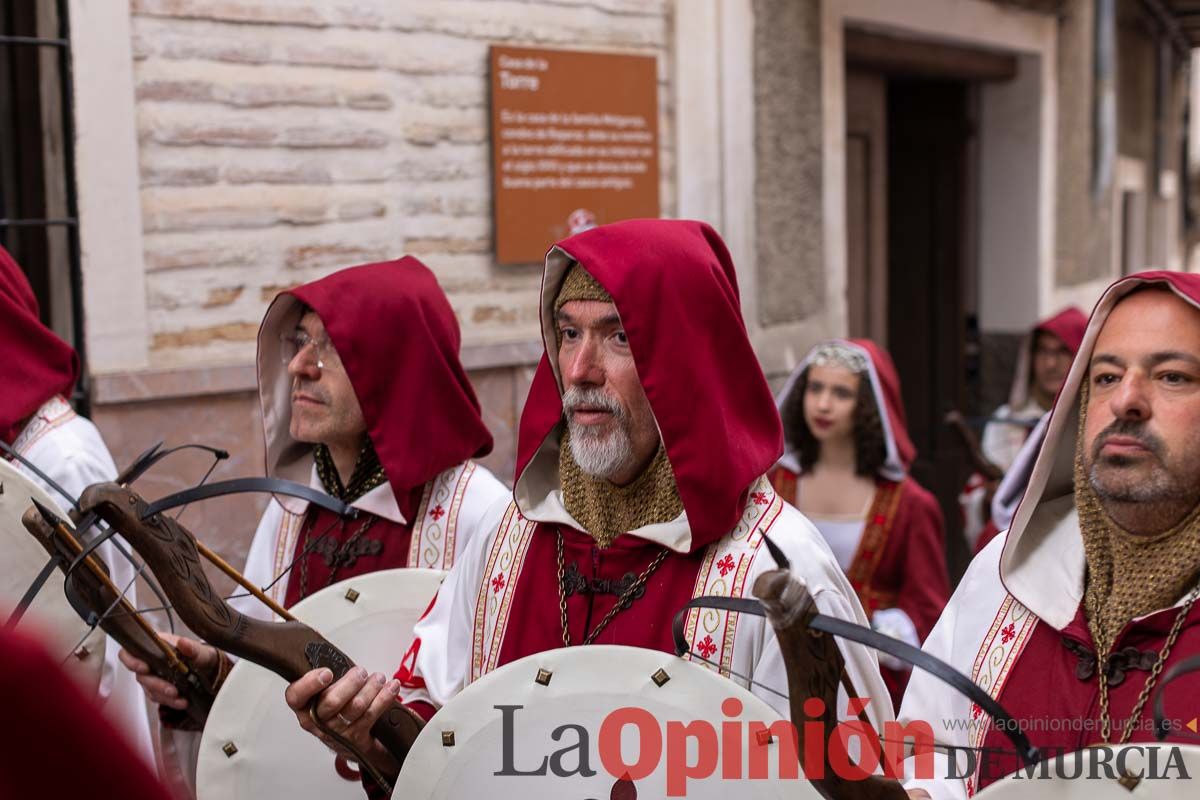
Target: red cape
675,287
398,338
888,386
35,364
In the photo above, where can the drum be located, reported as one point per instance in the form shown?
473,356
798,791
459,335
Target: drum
50,616
252,746
602,722
1106,772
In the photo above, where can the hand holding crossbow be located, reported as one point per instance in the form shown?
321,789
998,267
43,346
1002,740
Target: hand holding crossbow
289,648
101,603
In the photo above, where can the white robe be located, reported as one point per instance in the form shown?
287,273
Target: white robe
70,450
955,639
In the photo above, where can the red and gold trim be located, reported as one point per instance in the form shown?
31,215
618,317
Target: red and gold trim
871,546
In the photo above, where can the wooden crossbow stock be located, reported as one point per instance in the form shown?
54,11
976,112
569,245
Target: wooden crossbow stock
289,648
813,662
98,600
94,591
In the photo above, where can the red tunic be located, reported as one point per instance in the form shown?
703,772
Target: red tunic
1054,690
900,561
647,621
335,552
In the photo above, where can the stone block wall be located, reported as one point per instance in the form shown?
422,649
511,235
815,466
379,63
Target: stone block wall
281,140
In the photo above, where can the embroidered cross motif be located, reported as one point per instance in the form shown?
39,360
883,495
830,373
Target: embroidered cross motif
976,710
706,648
726,565
498,583
760,498
1009,633
437,512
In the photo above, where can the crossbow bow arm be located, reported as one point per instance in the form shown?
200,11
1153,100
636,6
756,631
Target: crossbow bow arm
92,596
290,648
814,664
814,667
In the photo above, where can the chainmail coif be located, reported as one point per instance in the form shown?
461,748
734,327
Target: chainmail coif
606,510
1129,575
603,509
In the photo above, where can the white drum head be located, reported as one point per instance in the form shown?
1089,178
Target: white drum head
50,617
462,748
252,747
1168,772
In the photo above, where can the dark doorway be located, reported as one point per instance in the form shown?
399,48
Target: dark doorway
929,143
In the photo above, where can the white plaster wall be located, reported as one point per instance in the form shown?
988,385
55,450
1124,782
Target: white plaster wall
106,174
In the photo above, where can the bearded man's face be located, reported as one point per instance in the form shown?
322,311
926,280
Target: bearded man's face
613,432
1142,435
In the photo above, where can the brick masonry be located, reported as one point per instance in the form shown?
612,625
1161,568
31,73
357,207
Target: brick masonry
279,141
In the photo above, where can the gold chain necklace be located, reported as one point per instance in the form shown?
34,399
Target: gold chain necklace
1102,669
623,602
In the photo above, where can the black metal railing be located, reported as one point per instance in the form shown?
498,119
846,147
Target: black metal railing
24,201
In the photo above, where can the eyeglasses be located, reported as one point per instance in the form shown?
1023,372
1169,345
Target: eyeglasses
293,343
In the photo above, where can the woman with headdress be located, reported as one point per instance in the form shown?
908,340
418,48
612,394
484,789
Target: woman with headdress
845,466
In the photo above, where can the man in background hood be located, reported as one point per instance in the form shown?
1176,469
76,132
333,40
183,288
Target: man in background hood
641,484
1042,362
363,396
1071,619
38,371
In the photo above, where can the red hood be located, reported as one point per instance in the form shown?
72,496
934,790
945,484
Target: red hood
1067,326
1042,564
398,338
674,286
35,364
885,386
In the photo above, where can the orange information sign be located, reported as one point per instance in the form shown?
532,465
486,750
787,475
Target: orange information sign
574,144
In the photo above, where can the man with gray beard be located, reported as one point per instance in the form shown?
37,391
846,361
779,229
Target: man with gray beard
640,485
1073,618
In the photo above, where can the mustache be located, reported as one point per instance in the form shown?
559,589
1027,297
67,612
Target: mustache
1132,429
310,389
578,397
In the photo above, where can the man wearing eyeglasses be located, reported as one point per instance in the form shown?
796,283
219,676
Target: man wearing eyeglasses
362,396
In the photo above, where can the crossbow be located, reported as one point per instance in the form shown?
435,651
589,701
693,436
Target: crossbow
288,648
101,603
